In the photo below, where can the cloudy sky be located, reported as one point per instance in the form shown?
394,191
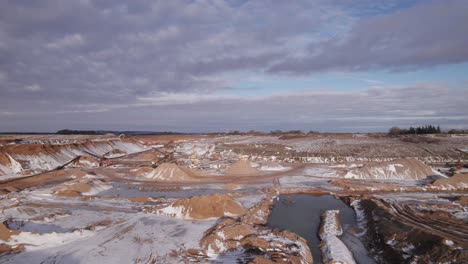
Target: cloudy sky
199,66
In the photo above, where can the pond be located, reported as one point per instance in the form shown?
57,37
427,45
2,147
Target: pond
300,213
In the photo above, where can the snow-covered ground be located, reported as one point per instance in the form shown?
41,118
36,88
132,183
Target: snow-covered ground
72,230
119,219
137,238
333,249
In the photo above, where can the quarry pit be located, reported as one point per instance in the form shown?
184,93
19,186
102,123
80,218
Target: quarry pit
320,198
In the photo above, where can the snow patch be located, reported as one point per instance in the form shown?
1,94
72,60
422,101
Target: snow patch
33,241
274,168
333,249
174,211
15,165
97,189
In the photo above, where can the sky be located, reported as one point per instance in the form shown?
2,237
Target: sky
214,66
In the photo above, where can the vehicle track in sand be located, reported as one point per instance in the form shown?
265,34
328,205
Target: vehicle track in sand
449,229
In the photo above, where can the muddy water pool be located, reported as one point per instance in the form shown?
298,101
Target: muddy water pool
300,213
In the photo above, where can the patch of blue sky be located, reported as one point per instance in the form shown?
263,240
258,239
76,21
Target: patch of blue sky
264,85
365,8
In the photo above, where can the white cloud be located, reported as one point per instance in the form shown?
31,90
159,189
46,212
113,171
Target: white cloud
33,87
67,41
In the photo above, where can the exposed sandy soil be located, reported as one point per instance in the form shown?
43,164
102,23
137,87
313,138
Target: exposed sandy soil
68,193
245,232
43,179
85,161
354,185
405,235
242,167
73,190
205,206
169,173
354,147
140,199
457,181
397,169
6,233
4,160
4,249
207,198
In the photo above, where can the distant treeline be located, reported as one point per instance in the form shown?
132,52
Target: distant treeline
273,132
458,131
429,129
77,132
102,132
280,132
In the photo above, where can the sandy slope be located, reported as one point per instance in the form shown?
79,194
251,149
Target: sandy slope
403,169
241,167
456,182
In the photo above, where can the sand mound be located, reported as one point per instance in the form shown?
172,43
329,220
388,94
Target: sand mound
242,167
170,172
81,187
203,207
457,181
397,169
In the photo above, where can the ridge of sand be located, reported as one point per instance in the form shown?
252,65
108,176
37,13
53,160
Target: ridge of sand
241,167
404,169
169,172
44,157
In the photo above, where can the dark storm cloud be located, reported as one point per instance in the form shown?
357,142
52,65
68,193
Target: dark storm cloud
428,34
